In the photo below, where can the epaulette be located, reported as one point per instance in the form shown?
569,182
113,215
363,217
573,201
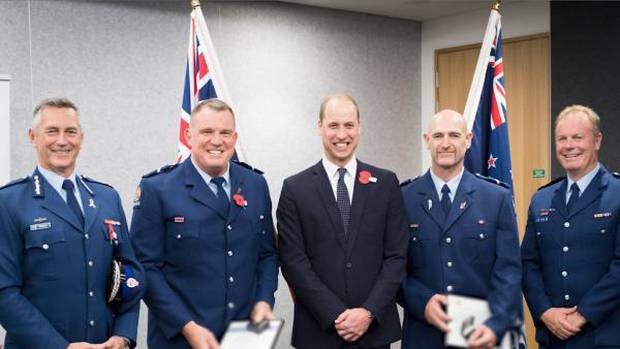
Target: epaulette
90,180
248,166
410,180
493,180
553,182
163,169
15,181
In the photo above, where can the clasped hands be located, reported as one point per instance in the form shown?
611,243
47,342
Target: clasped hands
482,338
563,322
352,323
115,342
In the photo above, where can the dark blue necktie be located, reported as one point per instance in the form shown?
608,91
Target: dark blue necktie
68,186
222,198
574,196
445,199
342,198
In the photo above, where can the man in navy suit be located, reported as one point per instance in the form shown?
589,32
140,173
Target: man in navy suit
59,235
342,240
463,240
571,248
204,233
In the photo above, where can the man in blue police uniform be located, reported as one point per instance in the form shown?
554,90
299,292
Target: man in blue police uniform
204,233
59,235
343,239
571,248
463,240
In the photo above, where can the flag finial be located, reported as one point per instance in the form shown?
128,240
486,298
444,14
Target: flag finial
195,3
496,5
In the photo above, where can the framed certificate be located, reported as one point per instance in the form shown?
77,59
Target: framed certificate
243,335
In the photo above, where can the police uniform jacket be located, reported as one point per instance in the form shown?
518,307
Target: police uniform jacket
574,259
201,264
473,252
54,273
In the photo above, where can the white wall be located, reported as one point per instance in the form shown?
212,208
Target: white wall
5,129
518,19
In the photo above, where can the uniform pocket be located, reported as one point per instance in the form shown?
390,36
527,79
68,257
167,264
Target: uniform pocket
181,243
479,245
43,250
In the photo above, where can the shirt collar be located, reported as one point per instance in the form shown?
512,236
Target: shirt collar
55,180
205,176
453,184
332,169
584,181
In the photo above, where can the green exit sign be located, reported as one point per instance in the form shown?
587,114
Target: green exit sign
538,173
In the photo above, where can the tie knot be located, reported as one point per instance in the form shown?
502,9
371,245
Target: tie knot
342,171
67,185
574,188
219,181
445,189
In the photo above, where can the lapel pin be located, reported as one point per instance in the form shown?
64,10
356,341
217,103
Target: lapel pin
430,204
463,204
91,203
179,219
365,177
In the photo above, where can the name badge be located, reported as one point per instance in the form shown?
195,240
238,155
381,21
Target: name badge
40,226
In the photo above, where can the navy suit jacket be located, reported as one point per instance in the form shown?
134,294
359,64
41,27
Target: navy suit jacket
474,252
574,259
54,273
329,272
202,265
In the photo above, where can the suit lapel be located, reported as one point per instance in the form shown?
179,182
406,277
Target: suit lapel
592,192
88,203
321,183
431,204
236,187
199,189
462,200
55,204
360,194
559,200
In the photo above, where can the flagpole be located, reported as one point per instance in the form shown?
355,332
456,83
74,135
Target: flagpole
194,3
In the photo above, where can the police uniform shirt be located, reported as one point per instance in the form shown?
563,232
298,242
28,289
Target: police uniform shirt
56,180
582,183
205,176
453,184
349,178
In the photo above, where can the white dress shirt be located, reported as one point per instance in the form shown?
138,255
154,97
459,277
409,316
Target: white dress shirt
349,178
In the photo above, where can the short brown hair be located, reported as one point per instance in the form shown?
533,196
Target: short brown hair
213,104
595,120
338,96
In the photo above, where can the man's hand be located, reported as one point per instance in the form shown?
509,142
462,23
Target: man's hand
556,320
261,311
199,337
434,313
353,323
115,342
577,319
482,338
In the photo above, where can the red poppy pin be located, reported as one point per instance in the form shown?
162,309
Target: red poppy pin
239,200
366,176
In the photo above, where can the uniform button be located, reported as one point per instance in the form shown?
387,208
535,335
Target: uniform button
566,224
178,236
261,217
230,253
481,235
414,238
565,248
448,240
45,246
262,232
229,227
449,264
602,231
86,236
231,305
537,233
231,279
449,288
91,293
564,273
349,264
566,297
90,263
91,323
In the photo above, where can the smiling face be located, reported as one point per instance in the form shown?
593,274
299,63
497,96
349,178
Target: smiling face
57,137
340,130
212,138
576,145
447,140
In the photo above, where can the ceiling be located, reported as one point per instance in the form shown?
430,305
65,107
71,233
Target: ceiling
419,10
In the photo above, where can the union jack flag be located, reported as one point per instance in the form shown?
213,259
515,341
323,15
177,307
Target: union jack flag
203,78
485,110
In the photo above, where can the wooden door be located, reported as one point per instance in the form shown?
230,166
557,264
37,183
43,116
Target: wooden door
526,78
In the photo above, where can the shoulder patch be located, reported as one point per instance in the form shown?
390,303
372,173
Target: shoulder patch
15,181
493,180
559,179
163,169
410,180
90,180
248,166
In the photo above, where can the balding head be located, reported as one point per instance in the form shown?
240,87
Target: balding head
448,115
447,140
